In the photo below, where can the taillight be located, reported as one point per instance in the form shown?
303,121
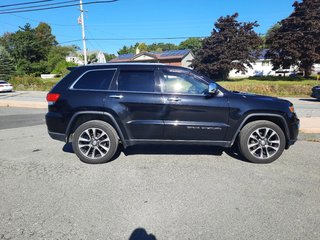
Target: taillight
52,98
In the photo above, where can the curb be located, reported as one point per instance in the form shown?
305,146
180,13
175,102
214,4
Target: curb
23,104
310,125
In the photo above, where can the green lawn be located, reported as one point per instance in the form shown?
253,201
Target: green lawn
274,87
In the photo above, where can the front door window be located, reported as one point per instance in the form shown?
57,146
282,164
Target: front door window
182,82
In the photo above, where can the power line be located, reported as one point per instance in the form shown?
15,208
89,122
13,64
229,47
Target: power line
142,38
49,8
41,5
134,39
25,3
39,21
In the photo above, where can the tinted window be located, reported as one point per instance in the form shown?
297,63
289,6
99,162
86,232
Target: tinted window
183,82
140,81
97,80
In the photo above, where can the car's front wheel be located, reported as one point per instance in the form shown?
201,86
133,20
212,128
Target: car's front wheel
95,142
261,141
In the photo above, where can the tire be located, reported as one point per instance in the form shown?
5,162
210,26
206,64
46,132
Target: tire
95,142
261,141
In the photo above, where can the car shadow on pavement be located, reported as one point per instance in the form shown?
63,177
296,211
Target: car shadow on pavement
182,150
309,99
170,150
67,148
141,234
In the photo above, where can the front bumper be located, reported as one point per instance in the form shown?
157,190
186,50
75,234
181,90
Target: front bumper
294,127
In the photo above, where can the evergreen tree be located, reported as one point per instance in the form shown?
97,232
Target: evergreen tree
232,45
296,41
6,64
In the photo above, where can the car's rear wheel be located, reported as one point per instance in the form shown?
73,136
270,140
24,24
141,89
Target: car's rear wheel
261,141
95,142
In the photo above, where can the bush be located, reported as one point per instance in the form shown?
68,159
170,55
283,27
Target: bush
30,83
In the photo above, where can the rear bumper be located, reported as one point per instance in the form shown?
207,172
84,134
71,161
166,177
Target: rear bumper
6,89
56,126
57,136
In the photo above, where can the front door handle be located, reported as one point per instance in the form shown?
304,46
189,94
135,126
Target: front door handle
174,99
116,96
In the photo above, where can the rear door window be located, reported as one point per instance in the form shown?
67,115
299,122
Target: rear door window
95,80
136,81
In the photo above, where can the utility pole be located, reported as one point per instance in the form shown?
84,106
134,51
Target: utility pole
83,35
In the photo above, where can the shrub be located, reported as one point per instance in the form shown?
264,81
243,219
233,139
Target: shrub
30,83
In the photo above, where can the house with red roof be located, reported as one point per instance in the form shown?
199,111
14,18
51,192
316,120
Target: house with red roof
181,58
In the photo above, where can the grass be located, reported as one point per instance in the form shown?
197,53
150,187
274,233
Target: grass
272,86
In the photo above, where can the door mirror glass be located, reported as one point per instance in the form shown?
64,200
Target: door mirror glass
213,88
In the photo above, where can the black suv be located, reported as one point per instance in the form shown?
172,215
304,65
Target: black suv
97,107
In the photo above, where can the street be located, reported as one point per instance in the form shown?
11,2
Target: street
172,192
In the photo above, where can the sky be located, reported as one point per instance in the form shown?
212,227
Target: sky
145,19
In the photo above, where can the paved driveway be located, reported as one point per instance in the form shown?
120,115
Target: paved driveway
169,192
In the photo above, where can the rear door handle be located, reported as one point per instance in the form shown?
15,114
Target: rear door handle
174,99
116,96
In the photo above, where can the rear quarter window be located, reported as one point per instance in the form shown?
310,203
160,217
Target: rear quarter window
95,80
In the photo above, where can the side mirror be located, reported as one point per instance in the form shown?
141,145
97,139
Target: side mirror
213,88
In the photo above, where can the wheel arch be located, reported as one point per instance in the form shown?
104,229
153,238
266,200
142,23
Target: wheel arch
275,118
84,116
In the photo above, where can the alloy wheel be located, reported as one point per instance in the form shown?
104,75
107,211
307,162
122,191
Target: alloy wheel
94,143
263,143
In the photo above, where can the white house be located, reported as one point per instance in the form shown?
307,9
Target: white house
263,67
77,57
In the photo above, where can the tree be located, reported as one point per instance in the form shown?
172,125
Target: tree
143,47
272,30
154,47
232,45
61,67
58,54
109,56
127,50
6,64
296,41
194,44
29,47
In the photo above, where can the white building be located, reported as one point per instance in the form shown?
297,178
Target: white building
77,57
263,67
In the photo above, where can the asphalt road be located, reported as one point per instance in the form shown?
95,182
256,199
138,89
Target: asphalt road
21,117
169,192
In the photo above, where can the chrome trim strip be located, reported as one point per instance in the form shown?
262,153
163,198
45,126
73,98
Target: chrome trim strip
165,141
193,123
